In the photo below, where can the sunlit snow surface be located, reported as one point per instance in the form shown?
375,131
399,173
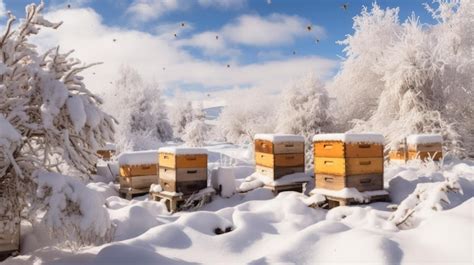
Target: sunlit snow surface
268,229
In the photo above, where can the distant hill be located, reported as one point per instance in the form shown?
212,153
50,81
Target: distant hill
213,113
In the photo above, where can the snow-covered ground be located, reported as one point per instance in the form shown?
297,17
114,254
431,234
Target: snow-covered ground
283,229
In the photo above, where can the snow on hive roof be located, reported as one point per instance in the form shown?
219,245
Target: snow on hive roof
182,150
138,158
424,139
279,138
350,137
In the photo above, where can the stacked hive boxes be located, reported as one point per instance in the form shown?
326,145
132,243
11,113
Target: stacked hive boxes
425,146
183,170
349,161
138,170
9,220
278,155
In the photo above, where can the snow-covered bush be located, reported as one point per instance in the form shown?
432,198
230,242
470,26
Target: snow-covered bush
419,82
197,131
48,121
305,111
140,111
425,199
245,116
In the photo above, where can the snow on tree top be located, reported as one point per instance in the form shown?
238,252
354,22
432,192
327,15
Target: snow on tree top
183,150
350,137
424,139
7,131
138,158
279,138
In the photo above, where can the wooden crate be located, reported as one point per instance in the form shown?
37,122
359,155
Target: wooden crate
184,187
138,170
171,160
369,182
338,149
278,172
265,146
425,155
348,166
138,182
280,160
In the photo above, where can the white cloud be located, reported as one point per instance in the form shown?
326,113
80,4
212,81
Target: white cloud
225,4
145,10
84,31
273,30
254,30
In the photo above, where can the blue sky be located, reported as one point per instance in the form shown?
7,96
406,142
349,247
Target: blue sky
254,35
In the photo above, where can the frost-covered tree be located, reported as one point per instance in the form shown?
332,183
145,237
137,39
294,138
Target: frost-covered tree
181,114
140,111
423,78
243,117
305,111
196,131
358,85
49,122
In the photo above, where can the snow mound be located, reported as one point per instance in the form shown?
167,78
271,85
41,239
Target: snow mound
350,193
351,137
424,139
182,150
279,138
138,158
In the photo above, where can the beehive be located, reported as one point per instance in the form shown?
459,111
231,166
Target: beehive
349,161
278,155
10,241
138,170
106,152
424,146
183,170
9,219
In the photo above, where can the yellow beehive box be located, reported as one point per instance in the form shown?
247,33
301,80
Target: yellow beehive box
279,143
281,160
425,146
138,169
368,182
179,157
349,161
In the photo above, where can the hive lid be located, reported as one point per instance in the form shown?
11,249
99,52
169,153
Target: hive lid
279,138
138,158
424,139
350,137
183,150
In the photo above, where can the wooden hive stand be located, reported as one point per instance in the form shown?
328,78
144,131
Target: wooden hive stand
177,201
138,170
280,155
349,161
276,189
